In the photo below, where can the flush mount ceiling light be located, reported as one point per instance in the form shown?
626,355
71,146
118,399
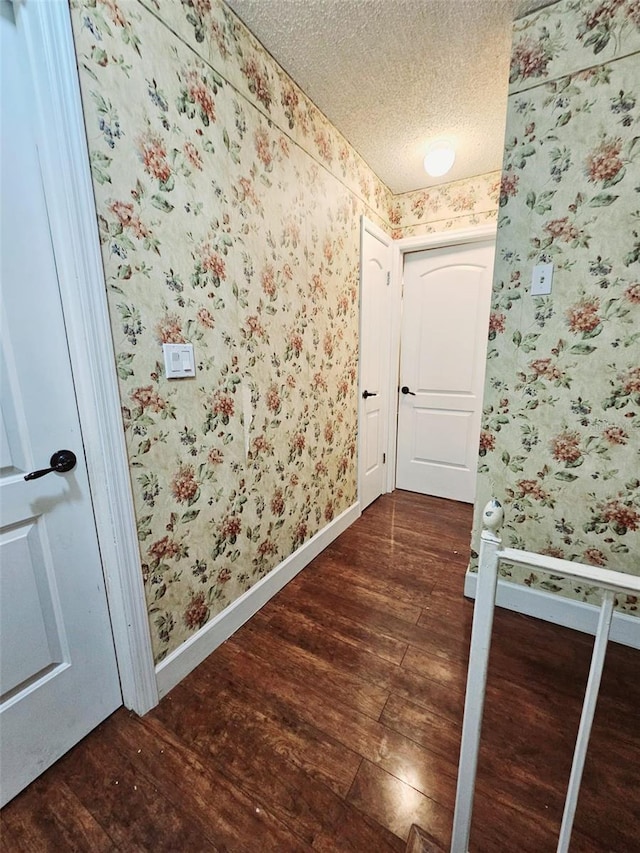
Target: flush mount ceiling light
439,158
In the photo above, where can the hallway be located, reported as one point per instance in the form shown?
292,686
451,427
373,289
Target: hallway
331,722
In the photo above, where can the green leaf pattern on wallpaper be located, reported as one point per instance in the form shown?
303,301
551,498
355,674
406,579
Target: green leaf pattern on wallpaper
203,208
228,210
572,35
459,204
560,444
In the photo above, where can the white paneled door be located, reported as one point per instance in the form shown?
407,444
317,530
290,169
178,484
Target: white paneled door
445,318
58,674
375,340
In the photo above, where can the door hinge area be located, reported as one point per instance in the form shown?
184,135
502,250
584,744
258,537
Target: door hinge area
388,278
384,458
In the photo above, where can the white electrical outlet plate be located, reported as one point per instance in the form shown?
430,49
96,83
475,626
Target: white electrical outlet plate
179,362
541,279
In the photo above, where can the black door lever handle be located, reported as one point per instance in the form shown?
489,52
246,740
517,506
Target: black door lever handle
366,394
405,390
61,462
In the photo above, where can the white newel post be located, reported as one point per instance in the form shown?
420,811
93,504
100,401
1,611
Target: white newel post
491,554
477,674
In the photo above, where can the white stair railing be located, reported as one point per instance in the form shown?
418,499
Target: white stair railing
491,555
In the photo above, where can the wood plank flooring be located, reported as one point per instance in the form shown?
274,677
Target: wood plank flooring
331,722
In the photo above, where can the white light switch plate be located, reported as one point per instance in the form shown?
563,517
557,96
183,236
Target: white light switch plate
178,360
541,279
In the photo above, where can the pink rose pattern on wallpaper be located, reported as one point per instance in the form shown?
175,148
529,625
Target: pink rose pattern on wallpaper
203,208
560,442
571,36
459,204
229,213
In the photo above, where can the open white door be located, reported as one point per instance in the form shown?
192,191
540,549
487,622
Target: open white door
445,319
58,674
375,341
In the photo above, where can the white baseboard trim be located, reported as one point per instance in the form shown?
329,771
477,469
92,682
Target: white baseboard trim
184,659
578,615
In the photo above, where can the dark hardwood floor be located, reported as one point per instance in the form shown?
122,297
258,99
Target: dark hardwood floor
331,722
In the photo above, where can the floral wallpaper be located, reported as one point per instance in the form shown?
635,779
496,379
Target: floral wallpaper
459,204
229,212
571,36
228,209
559,445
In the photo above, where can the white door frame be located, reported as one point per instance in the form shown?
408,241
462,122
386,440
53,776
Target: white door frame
437,240
380,234
66,176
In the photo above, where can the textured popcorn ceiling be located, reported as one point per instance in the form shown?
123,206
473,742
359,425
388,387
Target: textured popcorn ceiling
393,74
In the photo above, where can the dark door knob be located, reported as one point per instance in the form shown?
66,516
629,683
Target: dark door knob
61,462
366,394
405,390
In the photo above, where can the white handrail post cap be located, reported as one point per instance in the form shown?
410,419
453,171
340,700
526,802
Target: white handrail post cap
492,515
